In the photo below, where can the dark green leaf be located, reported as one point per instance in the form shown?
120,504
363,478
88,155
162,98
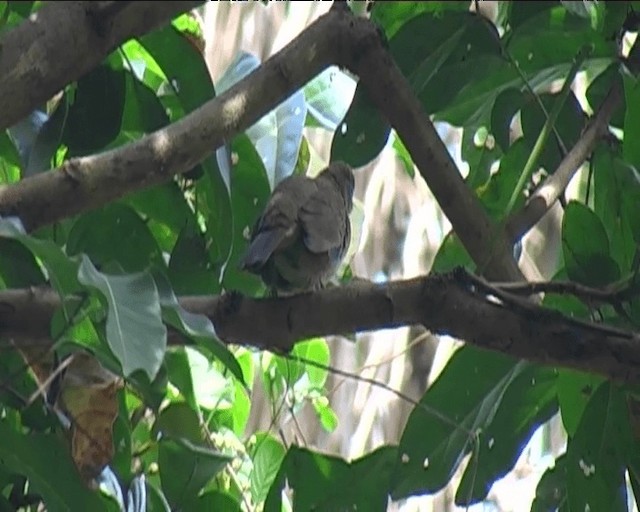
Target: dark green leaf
507,105
115,234
528,402
392,15
451,254
95,115
596,454
551,492
585,247
433,445
600,87
322,482
32,455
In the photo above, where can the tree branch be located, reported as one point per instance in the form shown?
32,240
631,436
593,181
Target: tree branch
554,185
456,304
64,40
336,38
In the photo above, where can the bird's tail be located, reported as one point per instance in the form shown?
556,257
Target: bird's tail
261,249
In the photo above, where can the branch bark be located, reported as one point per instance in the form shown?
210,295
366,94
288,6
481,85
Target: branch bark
336,38
450,304
64,40
554,186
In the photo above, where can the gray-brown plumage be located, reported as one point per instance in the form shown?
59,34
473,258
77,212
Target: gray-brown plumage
302,236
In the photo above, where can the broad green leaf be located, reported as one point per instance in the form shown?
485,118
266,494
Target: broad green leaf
267,454
575,390
185,468
115,234
59,484
322,482
216,500
631,149
616,195
569,125
496,194
180,374
135,332
10,167
451,254
585,247
99,104
529,401
190,271
551,492
60,269
197,327
362,134
599,89
597,452
431,448
392,15
185,464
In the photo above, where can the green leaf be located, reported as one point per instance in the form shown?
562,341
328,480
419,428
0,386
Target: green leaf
529,401
362,134
431,448
631,149
616,195
596,454
196,327
95,115
322,482
569,125
451,254
185,464
575,390
496,194
135,332
179,372
32,455
115,234
10,168
585,247
599,89
267,454
551,492
506,106
392,15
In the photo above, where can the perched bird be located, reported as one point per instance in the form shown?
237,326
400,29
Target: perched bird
302,236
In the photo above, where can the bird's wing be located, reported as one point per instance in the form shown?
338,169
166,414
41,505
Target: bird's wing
278,225
323,218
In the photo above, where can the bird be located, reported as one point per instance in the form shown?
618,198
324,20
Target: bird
303,234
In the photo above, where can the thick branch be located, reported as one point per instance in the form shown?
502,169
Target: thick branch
338,37
64,40
450,304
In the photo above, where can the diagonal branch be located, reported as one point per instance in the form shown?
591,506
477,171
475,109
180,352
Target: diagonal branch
64,40
456,304
552,188
336,38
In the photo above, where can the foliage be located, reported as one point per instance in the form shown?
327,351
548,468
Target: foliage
184,410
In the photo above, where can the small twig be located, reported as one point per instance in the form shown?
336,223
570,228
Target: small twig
525,306
613,295
547,128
